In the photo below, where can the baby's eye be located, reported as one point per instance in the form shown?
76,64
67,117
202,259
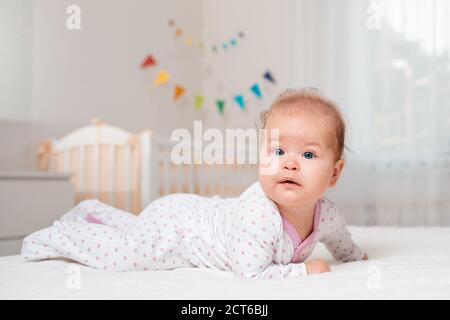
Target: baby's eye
308,155
278,152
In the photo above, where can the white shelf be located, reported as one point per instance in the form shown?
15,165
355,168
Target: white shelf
35,175
29,201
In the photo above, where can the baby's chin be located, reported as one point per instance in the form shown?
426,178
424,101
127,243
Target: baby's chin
288,197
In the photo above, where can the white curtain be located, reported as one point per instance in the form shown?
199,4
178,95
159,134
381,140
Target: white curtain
387,63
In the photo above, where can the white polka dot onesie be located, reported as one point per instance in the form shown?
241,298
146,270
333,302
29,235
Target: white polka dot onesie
246,235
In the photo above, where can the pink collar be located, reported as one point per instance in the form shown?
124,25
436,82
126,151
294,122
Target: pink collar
292,232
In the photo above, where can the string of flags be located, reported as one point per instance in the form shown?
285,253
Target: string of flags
163,77
225,45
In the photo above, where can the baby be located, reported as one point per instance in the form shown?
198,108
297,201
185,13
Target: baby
267,232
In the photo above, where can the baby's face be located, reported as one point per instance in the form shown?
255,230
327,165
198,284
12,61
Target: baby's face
303,158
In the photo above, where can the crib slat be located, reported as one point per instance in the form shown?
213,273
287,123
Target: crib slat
127,168
81,170
178,174
66,160
191,178
145,145
95,171
166,174
111,172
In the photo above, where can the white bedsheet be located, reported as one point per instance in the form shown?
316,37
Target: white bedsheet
411,263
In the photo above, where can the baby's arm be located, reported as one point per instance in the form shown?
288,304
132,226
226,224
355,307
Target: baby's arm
251,243
338,240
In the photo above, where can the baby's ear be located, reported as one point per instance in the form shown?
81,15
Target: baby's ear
338,166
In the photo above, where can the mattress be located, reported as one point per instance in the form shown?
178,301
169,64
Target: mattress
405,263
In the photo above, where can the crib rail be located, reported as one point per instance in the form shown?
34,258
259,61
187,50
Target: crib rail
128,170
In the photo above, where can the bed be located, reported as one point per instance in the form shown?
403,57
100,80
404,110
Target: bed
405,263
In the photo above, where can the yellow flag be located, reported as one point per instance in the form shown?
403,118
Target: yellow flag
162,77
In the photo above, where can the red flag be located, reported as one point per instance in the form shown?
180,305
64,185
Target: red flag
148,62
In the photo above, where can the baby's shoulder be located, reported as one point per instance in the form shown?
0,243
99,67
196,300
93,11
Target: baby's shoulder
255,205
328,208
329,214
326,204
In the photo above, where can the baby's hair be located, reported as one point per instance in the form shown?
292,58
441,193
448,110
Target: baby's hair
314,101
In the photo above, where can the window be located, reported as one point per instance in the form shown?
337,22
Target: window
393,81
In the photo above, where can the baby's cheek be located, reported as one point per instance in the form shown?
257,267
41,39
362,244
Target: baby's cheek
267,184
268,165
316,184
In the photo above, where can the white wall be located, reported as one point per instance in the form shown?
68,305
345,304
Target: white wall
15,59
15,82
94,72
266,26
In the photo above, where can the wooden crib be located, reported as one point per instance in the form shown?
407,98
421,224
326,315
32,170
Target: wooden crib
129,170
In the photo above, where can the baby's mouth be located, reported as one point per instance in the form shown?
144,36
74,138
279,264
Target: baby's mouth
289,182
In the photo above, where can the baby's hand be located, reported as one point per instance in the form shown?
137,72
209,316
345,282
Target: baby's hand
317,266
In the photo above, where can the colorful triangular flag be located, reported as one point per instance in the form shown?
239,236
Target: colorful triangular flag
198,100
149,61
162,77
233,42
268,76
255,89
178,92
178,32
171,23
220,105
225,46
241,34
240,101
189,41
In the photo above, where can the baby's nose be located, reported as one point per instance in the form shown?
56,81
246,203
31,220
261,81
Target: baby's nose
291,165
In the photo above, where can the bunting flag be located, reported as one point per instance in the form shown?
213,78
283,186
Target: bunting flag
268,76
220,105
198,100
162,77
190,41
179,91
239,99
148,62
255,89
